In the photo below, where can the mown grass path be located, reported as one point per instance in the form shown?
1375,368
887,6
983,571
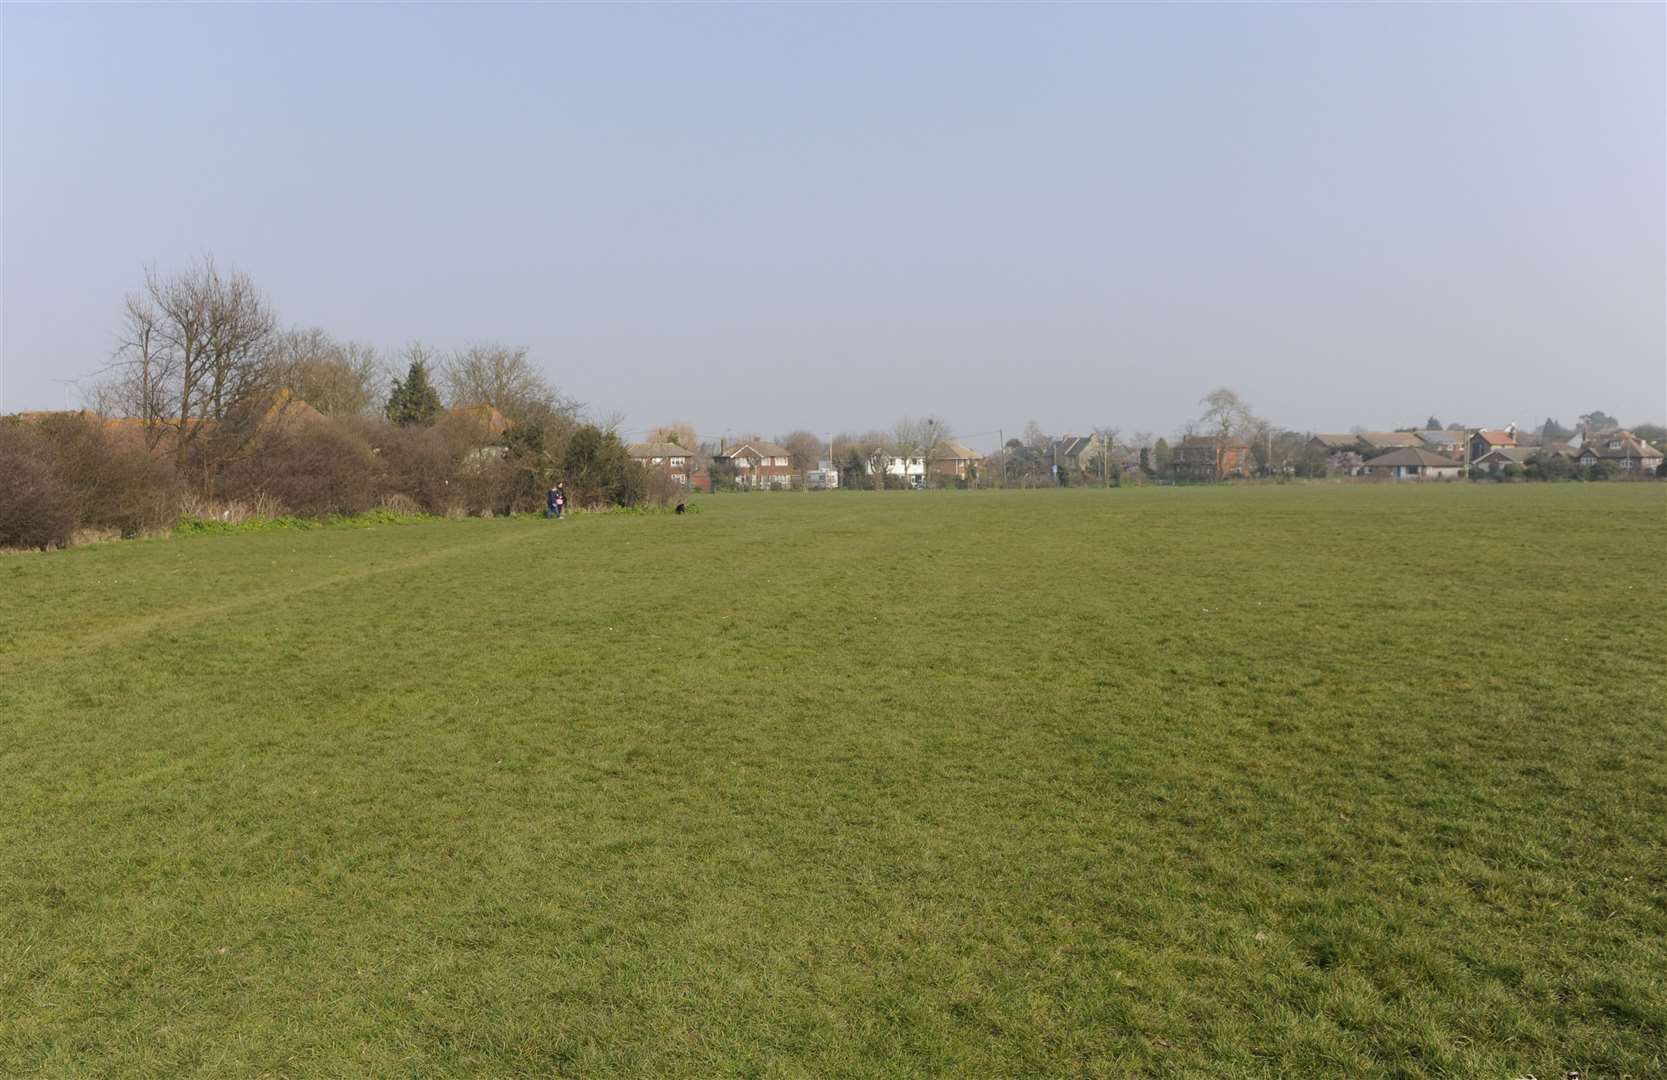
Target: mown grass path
1308,781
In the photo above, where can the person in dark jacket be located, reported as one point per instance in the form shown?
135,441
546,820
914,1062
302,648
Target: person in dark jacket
552,503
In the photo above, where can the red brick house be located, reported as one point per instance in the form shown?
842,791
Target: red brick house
760,465
1206,457
682,465
951,459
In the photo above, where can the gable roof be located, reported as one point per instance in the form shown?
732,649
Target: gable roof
1440,438
486,418
1495,438
1510,455
758,449
1386,439
1338,442
1196,442
950,450
1412,455
1071,445
1617,445
657,449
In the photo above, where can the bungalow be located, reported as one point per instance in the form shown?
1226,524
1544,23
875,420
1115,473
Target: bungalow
951,459
1412,463
1622,449
668,458
1482,440
760,465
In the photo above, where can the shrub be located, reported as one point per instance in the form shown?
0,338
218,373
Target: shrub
37,509
598,471
114,479
417,462
313,469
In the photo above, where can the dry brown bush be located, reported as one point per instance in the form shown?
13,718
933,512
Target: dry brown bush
417,462
116,481
314,469
37,510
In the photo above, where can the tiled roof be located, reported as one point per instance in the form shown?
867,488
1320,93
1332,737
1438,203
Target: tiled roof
1412,455
952,451
1391,438
657,449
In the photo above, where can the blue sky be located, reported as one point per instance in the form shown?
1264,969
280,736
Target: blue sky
771,217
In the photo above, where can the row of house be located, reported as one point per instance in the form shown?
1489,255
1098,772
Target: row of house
765,465
1445,455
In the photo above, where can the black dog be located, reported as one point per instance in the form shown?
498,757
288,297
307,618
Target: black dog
679,508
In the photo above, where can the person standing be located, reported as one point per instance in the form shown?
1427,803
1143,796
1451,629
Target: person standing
552,503
561,499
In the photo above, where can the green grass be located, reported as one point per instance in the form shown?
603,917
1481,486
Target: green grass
1328,781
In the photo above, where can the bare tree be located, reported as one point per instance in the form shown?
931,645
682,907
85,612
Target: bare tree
503,377
678,432
803,450
193,363
338,378
1035,438
1226,418
919,438
1105,439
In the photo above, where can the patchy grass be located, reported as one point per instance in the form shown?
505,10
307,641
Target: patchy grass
1303,781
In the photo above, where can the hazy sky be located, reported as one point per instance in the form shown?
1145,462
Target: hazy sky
770,217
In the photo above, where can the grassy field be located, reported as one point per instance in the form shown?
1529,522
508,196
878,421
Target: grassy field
1329,781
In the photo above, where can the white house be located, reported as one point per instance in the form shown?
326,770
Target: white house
912,469
1412,463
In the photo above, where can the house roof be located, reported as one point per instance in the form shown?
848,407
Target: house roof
1495,438
657,449
1616,445
1209,441
1338,442
1440,438
950,450
1510,455
1412,455
490,421
1387,439
759,449
1071,445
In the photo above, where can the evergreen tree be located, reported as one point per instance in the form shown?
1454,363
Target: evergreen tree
414,401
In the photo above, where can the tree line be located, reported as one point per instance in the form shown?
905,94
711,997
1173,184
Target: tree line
209,403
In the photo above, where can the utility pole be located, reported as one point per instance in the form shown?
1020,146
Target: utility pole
1003,437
